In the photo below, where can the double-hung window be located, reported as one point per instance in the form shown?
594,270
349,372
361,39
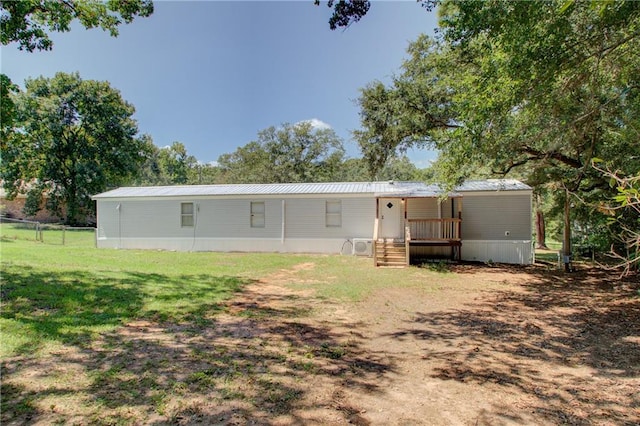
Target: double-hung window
333,213
186,215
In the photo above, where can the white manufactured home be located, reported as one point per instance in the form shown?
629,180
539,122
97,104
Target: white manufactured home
396,223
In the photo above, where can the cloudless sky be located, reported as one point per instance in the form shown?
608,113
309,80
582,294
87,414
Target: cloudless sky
211,74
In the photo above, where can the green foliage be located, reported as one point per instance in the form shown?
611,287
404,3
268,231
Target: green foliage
398,168
73,138
623,210
538,89
175,163
413,112
203,174
543,90
29,22
289,153
346,12
381,134
7,118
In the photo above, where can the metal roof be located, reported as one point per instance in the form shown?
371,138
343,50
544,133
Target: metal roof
389,188
493,185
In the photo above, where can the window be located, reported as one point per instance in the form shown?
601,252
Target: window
257,214
333,211
186,214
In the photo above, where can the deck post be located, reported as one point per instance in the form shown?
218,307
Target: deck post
460,233
376,224
407,241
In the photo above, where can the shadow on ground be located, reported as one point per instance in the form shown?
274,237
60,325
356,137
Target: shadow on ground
249,360
569,343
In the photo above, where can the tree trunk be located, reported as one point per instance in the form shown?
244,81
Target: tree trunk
566,243
541,235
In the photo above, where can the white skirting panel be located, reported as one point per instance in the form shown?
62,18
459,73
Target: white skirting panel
274,245
517,252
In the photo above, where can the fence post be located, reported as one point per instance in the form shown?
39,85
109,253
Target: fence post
64,228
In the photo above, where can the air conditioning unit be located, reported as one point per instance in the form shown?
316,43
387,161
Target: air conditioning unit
362,247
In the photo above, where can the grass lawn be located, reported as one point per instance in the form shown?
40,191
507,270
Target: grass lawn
114,337
72,299
67,295
56,295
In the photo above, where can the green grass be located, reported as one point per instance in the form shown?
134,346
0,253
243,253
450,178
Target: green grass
47,234
349,278
54,295
18,231
68,295
62,307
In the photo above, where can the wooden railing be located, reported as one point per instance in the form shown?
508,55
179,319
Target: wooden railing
376,225
407,248
433,229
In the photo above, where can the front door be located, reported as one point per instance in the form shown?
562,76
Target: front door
391,212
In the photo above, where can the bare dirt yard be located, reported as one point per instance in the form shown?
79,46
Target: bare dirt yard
487,346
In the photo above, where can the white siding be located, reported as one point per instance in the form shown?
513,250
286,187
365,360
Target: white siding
422,208
306,217
496,227
518,252
225,224
496,216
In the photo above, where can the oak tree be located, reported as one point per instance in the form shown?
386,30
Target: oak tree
29,22
297,152
75,138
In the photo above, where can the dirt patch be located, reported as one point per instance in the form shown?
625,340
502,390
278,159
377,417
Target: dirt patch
498,346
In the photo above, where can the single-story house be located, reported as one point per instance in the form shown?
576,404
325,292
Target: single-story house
14,209
394,222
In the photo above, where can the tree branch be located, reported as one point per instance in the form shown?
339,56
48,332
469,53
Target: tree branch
555,155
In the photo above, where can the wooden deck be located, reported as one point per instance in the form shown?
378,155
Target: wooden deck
433,230
423,233
434,233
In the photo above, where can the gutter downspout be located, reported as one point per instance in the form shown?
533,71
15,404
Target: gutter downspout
119,209
283,221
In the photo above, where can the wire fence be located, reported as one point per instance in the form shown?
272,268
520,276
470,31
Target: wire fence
47,233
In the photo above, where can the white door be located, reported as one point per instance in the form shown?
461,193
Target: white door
391,212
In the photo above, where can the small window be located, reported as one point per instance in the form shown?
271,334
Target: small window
257,214
186,214
334,214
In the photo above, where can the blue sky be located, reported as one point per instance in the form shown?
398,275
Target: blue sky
211,74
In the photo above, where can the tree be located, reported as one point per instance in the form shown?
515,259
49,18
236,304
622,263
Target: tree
149,172
203,174
540,88
290,153
624,209
546,87
416,110
175,163
382,135
346,12
398,168
7,90
77,138
28,22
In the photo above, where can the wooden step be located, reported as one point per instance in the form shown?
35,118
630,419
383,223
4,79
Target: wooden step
391,254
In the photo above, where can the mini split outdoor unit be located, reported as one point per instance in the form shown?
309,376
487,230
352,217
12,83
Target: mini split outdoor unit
362,247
